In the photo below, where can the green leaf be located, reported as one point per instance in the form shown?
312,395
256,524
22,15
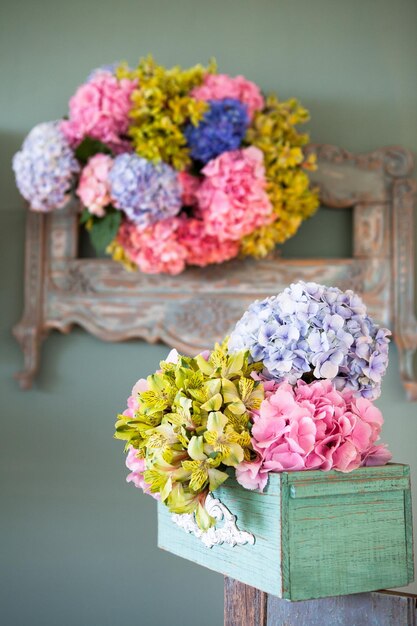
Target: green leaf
104,230
89,147
85,216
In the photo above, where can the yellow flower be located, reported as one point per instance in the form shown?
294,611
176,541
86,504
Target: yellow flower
118,253
273,132
204,473
161,106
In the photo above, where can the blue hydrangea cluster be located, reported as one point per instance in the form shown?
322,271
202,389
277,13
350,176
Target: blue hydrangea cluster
45,168
145,191
313,330
222,128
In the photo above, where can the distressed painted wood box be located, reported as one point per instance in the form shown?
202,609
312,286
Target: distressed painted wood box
316,533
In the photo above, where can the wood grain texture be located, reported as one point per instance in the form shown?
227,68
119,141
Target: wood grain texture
256,565
31,330
365,609
244,605
192,311
317,533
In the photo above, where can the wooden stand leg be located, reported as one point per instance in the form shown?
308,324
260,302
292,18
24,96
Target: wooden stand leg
29,331
246,606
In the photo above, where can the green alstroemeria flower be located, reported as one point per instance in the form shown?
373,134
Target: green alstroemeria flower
182,501
221,364
223,440
163,476
203,469
134,430
242,395
194,421
160,394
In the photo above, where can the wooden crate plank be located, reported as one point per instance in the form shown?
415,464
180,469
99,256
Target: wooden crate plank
347,544
364,609
258,564
317,534
408,520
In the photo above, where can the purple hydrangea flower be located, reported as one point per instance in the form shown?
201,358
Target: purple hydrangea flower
109,68
310,329
145,191
222,129
45,167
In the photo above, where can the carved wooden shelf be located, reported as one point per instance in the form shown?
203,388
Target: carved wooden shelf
193,310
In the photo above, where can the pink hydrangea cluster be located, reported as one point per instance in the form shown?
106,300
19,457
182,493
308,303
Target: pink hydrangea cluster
99,109
156,248
170,244
310,427
232,197
221,86
94,187
202,248
189,187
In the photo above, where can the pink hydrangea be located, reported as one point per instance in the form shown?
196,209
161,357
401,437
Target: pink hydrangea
99,109
312,426
154,249
133,400
137,466
251,474
189,186
220,86
202,248
232,198
93,188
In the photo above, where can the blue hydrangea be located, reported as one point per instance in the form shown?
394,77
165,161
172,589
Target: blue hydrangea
222,128
313,330
145,191
45,167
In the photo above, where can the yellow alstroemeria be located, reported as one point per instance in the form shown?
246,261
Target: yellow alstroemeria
222,440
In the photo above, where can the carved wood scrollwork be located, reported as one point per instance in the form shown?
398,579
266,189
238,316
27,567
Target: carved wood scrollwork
197,308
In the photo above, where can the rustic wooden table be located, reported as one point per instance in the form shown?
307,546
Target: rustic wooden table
246,606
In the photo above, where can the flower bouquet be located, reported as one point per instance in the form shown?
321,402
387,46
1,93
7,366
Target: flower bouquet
283,408
173,167
290,390
270,442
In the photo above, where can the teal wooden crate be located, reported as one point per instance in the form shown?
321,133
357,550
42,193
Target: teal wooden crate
316,533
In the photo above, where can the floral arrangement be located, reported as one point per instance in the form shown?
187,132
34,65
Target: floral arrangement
290,390
173,167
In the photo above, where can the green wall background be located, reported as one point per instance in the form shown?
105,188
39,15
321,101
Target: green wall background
78,546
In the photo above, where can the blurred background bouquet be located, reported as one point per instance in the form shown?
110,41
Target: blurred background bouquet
173,167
